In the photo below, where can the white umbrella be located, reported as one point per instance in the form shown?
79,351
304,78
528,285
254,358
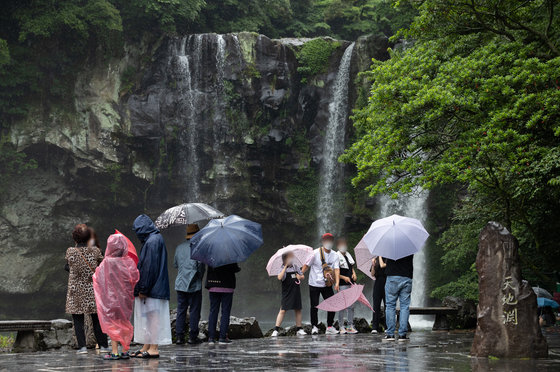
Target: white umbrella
395,237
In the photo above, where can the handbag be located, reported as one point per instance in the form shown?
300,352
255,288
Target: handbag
328,272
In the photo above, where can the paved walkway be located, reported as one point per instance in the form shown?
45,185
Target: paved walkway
427,351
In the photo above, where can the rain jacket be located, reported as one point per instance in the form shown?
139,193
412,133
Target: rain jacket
113,284
152,264
191,272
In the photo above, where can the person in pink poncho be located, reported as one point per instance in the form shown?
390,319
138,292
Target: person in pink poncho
113,284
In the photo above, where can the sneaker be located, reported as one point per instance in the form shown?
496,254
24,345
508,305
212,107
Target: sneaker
105,350
211,342
374,331
301,332
315,330
224,341
403,339
331,331
351,330
194,341
82,350
274,334
180,341
111,356
388,338
342,330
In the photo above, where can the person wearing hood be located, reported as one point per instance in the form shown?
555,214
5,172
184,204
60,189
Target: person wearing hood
152,326
113,284
189,289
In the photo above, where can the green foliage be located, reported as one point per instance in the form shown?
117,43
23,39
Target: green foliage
313,57
474,102
128,80
301,196
6,342
12,163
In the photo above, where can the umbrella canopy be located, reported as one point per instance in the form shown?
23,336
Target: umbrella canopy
301,253
363,258
226,240
544,302
185,214
395,237
344,299
131,249
541,292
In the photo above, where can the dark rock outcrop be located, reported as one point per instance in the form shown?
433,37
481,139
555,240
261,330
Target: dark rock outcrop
507,324
466,313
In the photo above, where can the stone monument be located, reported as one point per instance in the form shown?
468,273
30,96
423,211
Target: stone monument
507,322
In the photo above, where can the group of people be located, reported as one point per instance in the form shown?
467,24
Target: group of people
113,289
333,270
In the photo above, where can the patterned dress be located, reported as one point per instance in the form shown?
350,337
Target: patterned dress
80,298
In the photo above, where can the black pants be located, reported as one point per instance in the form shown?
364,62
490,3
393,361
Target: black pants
378,296
314,293
193,302
81,334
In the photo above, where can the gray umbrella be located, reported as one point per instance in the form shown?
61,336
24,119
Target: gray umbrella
185,214
540,292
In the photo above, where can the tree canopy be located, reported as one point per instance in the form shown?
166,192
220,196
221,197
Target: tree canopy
472,104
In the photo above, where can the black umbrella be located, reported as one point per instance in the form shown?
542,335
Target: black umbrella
185,214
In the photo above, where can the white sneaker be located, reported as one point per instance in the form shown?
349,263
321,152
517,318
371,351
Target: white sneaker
331,331
351,330
82,350
315,330
274,334
301,332
342,331
105,350
374,331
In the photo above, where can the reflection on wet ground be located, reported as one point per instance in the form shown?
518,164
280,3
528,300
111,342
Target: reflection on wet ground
426,351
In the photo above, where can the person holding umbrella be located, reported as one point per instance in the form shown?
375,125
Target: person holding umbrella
220,283
378,272
152,326
348,277
189,289
324,274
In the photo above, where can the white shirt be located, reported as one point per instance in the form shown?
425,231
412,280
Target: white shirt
316,278
343,264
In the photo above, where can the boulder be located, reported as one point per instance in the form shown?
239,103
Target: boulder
507,323
362,325
238,328
466,315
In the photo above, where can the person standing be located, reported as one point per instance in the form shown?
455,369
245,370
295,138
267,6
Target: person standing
113,284
378,272
80,298
324,274
398,286
291,295
220,282
152,326
189,289
347,277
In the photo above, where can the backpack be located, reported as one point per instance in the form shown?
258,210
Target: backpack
328,272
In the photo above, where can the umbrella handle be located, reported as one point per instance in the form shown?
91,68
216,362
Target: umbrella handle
297,282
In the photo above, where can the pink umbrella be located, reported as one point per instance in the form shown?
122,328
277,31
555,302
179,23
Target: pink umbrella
344,299
301,253
363,258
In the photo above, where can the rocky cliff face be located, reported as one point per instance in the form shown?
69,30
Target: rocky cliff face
222,119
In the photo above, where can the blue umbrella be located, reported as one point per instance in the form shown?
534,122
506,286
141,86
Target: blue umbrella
226,240
544,302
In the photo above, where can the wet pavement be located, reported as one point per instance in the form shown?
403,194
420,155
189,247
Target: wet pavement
426,351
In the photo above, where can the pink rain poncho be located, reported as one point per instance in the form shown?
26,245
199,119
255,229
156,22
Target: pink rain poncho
113,284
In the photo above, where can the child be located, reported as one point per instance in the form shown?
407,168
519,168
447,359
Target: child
113,284
291,295
347,278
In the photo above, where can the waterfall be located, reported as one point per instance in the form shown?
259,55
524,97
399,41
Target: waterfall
412,206
221,124
329,206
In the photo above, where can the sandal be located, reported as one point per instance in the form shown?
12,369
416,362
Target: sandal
136,354
111,356
125,355
146,355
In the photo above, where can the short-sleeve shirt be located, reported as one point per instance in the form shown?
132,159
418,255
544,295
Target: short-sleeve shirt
316,278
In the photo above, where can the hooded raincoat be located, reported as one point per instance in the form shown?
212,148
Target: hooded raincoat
113,284
152,264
